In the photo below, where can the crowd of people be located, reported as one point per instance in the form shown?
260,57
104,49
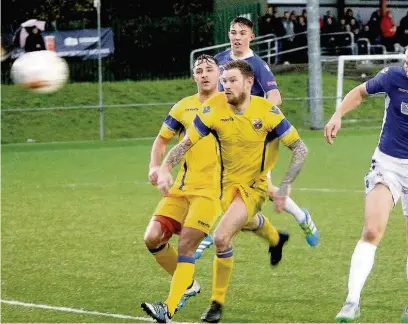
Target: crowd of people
380,29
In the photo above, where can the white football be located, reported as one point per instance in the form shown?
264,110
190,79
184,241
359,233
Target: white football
40,71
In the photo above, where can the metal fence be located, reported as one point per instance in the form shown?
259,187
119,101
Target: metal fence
127,120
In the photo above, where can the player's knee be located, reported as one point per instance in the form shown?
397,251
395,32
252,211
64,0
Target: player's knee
221,241
152,239
372,234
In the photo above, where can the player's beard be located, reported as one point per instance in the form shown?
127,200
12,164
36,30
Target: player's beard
237,100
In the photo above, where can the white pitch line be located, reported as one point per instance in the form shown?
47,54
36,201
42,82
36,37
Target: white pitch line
75,310
135,139
73,186
329,190
79,311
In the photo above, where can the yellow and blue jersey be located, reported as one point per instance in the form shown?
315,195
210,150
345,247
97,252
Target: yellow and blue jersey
199,174
248,141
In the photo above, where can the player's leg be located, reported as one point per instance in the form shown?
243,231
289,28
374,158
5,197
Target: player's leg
231,222
196,226
303,217
206,242
404,201
157,235
169,215
378,206
262,227
182,277
190,238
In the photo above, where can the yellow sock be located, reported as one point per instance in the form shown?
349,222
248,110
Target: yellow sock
222,270
166,256
267,231
182,278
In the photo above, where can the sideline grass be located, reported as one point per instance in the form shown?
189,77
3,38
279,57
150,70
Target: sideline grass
66,125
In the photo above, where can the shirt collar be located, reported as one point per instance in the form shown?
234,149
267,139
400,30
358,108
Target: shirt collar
250,54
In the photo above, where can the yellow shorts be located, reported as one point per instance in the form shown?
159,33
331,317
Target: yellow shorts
192,211
253,198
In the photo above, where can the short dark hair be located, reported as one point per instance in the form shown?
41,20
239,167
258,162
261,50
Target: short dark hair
242,21
205,58
244,67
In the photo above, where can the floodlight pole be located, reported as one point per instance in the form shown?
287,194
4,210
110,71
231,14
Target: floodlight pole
97,5
315,65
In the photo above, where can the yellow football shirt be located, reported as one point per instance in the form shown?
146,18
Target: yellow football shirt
200,171
249,142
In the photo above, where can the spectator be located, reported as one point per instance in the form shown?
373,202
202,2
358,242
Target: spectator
293,17
375,17
329,15
344,42
342,24
266,22
403,31
344,14
300,40
388,30
304,14
278,28
289,27
34,40
374,22
364,35
329,41
355,28
287,23
368,33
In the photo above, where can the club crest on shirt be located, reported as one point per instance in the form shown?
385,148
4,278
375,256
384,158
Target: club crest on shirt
275,110
257,123
404,108
206,109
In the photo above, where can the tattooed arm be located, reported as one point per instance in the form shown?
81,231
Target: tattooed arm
299,153
177,153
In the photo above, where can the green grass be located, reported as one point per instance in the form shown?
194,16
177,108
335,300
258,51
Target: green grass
68,125
73,217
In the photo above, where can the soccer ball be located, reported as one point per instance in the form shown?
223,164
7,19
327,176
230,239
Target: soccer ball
40,71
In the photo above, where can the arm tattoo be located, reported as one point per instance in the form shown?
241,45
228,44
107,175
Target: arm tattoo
299,151
177,153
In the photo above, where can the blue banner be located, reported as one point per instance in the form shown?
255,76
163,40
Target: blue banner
79,43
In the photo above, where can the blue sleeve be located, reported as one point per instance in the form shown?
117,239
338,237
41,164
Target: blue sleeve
201,128
266,77
172,123
378,83
283,128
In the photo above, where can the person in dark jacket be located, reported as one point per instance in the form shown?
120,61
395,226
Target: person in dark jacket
34,41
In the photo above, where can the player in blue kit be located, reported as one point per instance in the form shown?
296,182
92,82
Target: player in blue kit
240,35
265,85
387,180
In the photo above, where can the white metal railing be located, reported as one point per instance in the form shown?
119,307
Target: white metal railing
272,50
370,47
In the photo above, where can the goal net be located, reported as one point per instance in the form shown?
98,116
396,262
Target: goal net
355,69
